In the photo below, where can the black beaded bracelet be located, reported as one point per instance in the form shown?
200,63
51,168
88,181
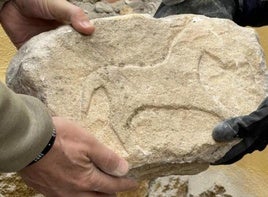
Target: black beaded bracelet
46,149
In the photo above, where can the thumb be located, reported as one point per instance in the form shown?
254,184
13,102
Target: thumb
63,11
237,152
59,10
107,160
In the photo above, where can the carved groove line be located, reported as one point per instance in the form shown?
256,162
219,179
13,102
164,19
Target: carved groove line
109,99
167,107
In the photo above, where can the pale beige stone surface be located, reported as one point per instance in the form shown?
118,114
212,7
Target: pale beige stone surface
151,89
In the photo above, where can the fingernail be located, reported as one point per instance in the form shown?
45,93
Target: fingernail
122,168
86,24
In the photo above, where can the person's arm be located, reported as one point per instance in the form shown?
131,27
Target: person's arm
25,129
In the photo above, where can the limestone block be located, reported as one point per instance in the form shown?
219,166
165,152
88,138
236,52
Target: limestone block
150,89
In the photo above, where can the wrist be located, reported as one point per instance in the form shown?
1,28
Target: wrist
46,149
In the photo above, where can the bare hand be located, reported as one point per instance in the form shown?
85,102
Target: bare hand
23,19
77,165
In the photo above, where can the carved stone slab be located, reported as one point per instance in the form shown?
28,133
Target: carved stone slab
150,89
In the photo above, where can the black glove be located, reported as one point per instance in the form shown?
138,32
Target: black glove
244,13
252,13
252,129
211,8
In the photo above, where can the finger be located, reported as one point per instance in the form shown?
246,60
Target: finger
66,192
236,153
106,159
64,11
102,182
103,157
226,130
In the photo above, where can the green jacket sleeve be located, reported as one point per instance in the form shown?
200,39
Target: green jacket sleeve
25,129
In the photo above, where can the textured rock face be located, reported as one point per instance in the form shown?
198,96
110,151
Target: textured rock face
104,8
150,89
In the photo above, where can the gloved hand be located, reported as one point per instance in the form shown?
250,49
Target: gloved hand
252,129
244,13
211,8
